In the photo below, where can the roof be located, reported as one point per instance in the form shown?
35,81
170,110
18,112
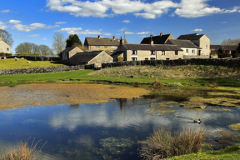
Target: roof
116,54
194,36
154,47
229,47
183,43
95,41
68,49
85,57
156,39
215,47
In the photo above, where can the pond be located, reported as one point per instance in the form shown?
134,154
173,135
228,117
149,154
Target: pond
108,130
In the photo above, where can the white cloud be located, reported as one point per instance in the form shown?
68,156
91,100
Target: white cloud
122,29
60,22
44,39
79,31
108,8
5,11
129,32
198,30
14,21
32,36
143,32
2,25
224,22
33,26
126,21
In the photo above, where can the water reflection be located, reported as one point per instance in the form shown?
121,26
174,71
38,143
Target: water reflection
107,130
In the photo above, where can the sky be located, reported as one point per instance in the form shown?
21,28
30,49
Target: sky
36,21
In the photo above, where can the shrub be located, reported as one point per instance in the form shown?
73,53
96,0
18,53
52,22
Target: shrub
161,144
224,55
120,59
236,55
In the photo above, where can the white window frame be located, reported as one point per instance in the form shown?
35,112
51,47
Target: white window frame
97,46
153,53
134,58
163,53
186,51
193,51
113,46
105,46
134,52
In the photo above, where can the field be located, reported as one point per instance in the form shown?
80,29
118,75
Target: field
22,63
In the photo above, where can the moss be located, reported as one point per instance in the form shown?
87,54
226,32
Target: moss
235,126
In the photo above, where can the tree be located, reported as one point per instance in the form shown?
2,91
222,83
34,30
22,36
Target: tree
7,37
73,40
58,42
45,50
26,47
230,41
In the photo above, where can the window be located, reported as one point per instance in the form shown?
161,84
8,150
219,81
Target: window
152,59
134,52
152,52
7,49
134,58
163,53
113,46
187,51
105,46
146,59
167,59
193,51
206,46
97,46
176,52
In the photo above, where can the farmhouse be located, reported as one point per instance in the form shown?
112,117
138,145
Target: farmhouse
93,57
104,44
4,47
160,39
201,40
139,52
190,50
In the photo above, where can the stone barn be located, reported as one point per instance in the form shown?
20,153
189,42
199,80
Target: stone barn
93,57
66,54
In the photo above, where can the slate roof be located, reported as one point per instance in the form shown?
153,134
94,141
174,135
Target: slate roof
95,41
215,47
85,57
154,47
156,39
194,36
68,49
116,54
229,47
183,43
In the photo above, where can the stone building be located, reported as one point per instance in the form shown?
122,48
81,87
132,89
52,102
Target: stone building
4,47
201,40
139,52
66,54
93,57
102,44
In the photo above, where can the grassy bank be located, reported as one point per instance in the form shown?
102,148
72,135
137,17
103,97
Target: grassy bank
23,63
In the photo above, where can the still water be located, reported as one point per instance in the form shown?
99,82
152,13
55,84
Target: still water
104,131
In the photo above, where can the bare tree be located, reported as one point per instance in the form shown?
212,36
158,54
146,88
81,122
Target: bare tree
45,50
27,48
58,42
7,37
230,41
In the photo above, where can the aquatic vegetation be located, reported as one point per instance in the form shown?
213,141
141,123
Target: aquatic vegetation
162,144
24,152
156,109
235,126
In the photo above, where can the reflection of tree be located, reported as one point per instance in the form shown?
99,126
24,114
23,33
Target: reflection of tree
122,103
74,106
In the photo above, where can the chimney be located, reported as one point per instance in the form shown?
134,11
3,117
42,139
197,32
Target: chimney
121,41
152,42
161,34
98,36
113,37
151,35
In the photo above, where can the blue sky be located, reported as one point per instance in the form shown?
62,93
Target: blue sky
36,21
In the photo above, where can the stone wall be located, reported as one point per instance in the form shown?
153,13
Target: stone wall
41,70
37,58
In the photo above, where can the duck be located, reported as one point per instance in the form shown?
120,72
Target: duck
197,121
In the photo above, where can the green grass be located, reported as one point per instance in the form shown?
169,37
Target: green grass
231,152
22,63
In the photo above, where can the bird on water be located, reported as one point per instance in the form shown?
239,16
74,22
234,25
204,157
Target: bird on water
197,121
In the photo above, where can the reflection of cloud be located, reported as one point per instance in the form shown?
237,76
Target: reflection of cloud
85,140
102,117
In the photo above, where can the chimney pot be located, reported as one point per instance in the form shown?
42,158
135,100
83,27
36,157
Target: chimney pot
151,35
113,37
98,36
152,42
161,34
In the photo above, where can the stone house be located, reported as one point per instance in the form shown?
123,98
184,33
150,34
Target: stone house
139,52
160,39
4,47
66,54
229,49
201,40
93,57
102,44
190,50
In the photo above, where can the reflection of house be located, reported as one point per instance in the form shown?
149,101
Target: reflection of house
104,44
66,54
4,47
139,52
161,39
201,40
190,50
93,57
